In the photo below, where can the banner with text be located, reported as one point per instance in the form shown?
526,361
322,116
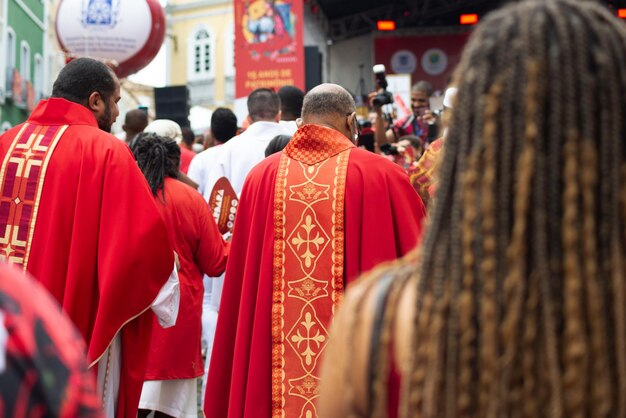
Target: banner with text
269,50
425,57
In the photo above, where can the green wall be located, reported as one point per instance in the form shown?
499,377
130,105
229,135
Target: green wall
25,30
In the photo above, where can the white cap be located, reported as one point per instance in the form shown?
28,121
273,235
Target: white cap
448,98
378,68
167,128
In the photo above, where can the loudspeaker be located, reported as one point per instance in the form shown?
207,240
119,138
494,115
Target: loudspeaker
172,103
312,66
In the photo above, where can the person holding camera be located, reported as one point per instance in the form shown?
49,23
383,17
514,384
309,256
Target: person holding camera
422,122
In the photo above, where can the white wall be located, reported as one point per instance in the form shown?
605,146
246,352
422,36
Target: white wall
344,60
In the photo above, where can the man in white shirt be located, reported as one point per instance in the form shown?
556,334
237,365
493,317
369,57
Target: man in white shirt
223,128
234,160
246,150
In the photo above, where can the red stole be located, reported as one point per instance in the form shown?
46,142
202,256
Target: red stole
308,263
22,176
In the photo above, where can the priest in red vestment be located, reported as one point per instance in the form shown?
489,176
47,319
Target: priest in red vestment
78,215
310,221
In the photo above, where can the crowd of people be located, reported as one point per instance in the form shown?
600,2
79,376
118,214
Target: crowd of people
462,263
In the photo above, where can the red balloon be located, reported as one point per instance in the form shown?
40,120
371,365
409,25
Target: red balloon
126,34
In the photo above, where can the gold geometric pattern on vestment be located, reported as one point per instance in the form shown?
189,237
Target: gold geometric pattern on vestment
308,289
308,240
307,337
308,266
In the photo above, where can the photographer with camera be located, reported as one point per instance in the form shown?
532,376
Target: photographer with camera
422,122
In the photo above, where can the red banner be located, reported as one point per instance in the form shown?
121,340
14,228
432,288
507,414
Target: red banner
269,49
426,57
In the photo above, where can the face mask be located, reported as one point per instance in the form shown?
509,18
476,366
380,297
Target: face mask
197,148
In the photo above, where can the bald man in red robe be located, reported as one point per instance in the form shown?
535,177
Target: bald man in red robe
77,214
310,221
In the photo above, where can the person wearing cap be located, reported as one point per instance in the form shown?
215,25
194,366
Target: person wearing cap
170,129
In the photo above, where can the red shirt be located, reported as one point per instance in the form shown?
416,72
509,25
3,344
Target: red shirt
186,156
175,352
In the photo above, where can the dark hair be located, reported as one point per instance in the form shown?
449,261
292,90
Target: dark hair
158,157
188,136
291,99
223,124
328,102
136,120
520,278
263,104
416,141
81,77
423,86
277,144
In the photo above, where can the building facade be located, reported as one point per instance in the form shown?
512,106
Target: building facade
29,57
200,50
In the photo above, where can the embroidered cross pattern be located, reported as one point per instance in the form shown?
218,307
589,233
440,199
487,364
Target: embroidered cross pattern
308,264
21,181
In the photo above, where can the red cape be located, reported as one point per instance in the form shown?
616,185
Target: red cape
175,352
383,221
99,245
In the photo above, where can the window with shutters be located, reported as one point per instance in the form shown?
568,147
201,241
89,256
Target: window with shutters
201,55
38,83
10,60
25,61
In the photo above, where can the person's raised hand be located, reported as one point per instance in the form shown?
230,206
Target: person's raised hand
377,108
429,117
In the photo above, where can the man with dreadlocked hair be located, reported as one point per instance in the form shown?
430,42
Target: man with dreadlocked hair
175,360
517,294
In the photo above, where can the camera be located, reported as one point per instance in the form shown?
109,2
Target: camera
384,97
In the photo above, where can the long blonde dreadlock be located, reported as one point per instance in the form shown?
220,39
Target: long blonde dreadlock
521,309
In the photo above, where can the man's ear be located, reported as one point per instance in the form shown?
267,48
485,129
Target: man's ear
299,123
279,116
208,139
95,102
350,120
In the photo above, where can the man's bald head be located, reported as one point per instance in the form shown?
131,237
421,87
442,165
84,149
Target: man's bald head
327,100
332,106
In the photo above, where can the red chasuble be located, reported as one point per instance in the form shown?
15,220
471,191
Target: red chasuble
310,220
77,214
175,352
